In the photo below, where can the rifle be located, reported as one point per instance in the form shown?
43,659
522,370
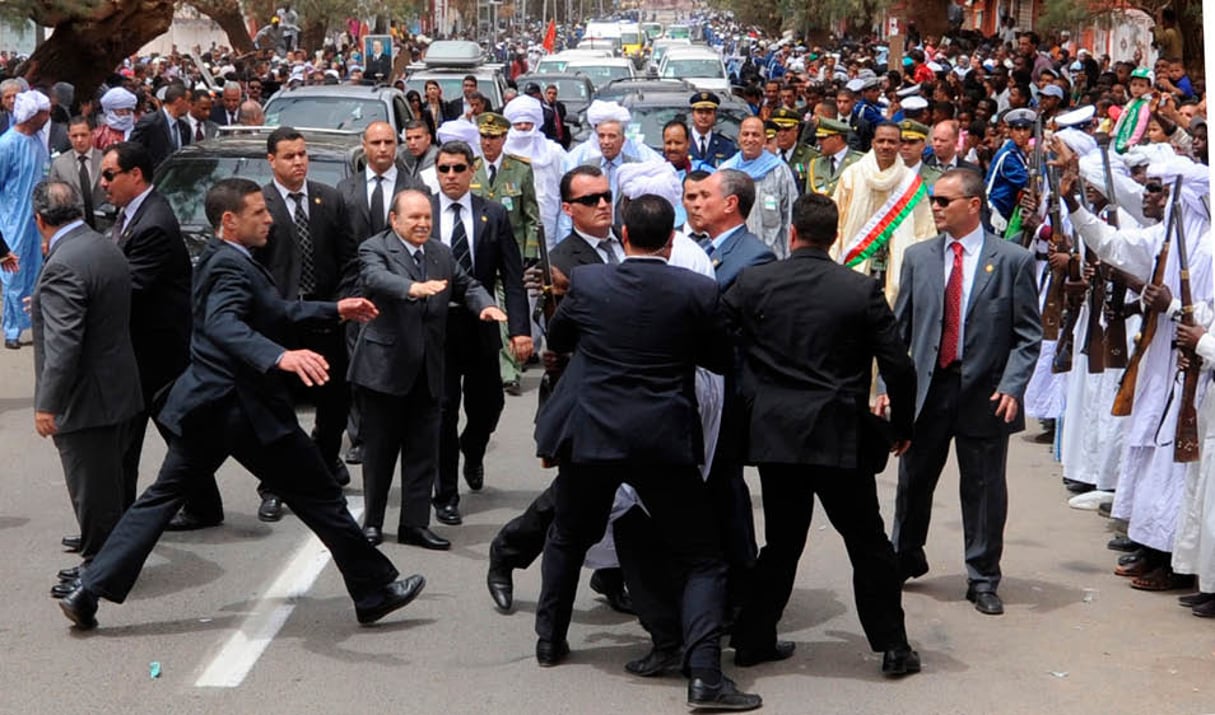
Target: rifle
1067,332
1095,339
1052,311
1185,441
1115,329
546,306
1035,178
1124,401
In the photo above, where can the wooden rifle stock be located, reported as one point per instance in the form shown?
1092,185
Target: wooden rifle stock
1067,333
1185,442
1115,330
1095,339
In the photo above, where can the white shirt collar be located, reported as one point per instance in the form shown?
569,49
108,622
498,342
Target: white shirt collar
390,176
465,202
839,155
971,242
63,230
593,241
286,193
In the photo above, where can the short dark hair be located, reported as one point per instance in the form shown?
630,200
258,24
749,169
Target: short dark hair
174,92
57,203
675,123
458,147
282,134
228,195
649,221
697,175
583,170
132,155
816,219
79,119
737,183
416,124
971,181
469,77
887,123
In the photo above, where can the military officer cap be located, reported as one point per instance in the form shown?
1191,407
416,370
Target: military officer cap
785,118
911,129
831,127
1020,118
855,85
491,124
704,100
1079,118
914,104
770,129
870,82
906,92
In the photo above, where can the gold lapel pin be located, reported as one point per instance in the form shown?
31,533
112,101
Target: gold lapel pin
989,268
317,201
484,219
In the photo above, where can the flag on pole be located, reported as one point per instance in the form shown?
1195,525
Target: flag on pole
550,35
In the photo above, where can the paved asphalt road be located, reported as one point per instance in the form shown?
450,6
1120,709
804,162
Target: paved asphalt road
1075,639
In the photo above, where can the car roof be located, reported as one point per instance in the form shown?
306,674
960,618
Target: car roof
674,99
337,90
633,85
328,143
600,62
542,77
692,51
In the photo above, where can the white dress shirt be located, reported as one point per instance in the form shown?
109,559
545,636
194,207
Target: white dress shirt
446,221
972,246
290,202
389,183
132,208
593,242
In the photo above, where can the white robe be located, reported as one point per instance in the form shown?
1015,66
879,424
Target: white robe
1194,546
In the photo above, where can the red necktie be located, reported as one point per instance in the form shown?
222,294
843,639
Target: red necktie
953,310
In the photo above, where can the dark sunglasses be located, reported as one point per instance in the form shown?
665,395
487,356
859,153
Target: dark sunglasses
1153,187
448,168
943,201
110,174
592,200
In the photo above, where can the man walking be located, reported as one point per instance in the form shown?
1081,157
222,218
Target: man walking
23,163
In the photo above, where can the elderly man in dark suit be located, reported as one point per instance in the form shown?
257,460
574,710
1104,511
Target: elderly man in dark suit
648,435
165,131
86,380
81,167
968,310
233,401
479,235
811,330
398,362
148,234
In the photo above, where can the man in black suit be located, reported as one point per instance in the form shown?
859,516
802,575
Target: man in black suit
199,117
379,62
233,401
367,198
968,311
647,434
398,362
148,234
227,112
479,234
811,330
86,380
164,132
561,130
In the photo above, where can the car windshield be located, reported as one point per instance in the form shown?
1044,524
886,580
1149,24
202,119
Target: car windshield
571,90
550,66
600,74
630,38
184,180
693,68
647,122
325,112
679,32
453,87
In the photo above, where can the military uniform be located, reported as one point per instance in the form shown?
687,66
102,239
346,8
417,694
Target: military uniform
820,178
913,131
1007,177
801,155
720,147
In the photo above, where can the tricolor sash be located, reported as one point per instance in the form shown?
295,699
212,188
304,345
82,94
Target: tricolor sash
877,231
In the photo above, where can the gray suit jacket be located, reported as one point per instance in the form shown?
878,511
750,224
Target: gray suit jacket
1002,327
84,366
65,168
409,335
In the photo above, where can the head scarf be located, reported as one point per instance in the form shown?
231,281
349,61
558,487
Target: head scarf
656,177
118,98
28,104
601,111
531,144
461,130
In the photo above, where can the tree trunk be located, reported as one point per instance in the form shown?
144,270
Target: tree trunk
85,50
312,36
1189,24
230,19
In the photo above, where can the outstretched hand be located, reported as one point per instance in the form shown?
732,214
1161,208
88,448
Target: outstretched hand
493,314
358,309
312,368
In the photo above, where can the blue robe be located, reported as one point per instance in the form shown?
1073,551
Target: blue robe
24,161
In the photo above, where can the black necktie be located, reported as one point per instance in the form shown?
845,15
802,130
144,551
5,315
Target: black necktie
303,234
86,190
704,147
377,206
116,233
605,245
419,260
459,240
493,175
198,132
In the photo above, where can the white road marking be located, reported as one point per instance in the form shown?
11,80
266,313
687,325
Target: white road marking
241,652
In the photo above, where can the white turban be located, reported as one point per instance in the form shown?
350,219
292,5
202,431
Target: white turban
118,98
1195,182
463,131
524,109
601,111
650,177
28,104
1092,170
1077,141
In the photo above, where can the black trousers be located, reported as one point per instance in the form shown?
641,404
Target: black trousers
292,467
405,426
521,540
134,434
96,480
850,499
687,523
647,573
982,463
471,373
332,399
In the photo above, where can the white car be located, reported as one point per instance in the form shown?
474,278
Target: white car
700,66
602,70
556,63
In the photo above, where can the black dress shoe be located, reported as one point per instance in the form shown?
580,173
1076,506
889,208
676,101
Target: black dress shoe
71,543
656,662
747,657
724,695
1076,487
395,595
69,574
80,606
12,344
373,535
900,661
340,474
271,508
449,514
354,455
986,602
421,536
474,474
513,388
185,521
1195,599
1132,557
612,589
549,653
1204,610
63,588
501,587
1122,543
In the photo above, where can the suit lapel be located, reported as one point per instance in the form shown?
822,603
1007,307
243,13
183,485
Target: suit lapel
402,256
936,277
480,220
987,259
436,225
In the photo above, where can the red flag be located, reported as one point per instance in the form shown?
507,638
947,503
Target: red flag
550,36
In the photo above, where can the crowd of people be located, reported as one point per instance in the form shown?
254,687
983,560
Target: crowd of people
1008,231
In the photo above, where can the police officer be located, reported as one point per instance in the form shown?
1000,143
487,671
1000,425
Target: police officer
797,155
834,156
1008,175
708,145
866,113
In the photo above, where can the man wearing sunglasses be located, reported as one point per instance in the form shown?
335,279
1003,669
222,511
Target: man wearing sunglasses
478,232
968,310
